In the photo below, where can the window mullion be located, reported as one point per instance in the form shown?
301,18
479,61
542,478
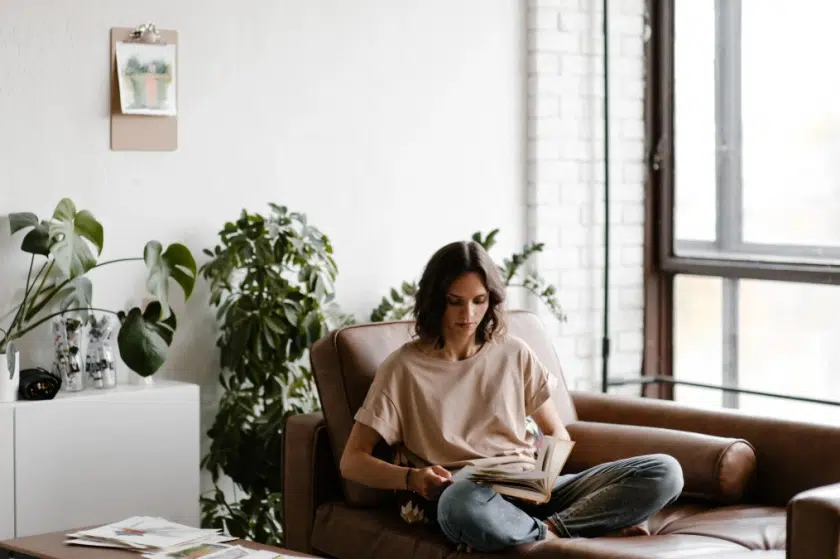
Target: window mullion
729,183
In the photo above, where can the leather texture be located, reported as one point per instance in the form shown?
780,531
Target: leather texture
719,469
678,531
814,522
309,477
792,457
752,484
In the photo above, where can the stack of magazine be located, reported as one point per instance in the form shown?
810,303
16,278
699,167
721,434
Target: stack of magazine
158,538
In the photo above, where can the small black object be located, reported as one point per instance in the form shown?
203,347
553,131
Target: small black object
38,384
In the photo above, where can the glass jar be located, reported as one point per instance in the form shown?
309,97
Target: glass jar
67,363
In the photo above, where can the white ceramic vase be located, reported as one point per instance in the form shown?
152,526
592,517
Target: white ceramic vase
9,374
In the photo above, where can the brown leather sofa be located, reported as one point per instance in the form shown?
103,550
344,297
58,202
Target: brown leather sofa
754,488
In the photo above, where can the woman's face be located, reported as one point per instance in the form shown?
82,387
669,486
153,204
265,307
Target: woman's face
467,302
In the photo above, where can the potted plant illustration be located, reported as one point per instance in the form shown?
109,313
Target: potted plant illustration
149,82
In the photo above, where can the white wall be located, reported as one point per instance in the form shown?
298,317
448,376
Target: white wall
396,126
566,175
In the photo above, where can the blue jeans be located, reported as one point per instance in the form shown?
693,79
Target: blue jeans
592,503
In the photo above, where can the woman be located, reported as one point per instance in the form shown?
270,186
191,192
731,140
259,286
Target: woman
459,394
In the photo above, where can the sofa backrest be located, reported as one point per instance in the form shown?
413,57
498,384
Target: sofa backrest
345,361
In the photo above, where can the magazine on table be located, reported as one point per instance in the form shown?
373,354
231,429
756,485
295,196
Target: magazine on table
215,551
145,533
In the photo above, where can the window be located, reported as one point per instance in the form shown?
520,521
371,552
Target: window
780,337
757,130
744,133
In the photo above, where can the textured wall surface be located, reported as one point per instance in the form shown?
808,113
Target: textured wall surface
566,175
396,126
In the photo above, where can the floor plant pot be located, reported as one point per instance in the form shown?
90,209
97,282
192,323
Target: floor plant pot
9,375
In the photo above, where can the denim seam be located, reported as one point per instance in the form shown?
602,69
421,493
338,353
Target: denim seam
542,529
562,531
565,514
447,532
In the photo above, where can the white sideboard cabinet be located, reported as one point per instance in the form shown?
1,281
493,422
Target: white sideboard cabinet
99,456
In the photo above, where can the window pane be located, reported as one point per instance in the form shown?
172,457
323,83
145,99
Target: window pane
698,355
694,120
791,121
789,343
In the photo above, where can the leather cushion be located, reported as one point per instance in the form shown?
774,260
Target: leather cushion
696,530
792,456
753,527
814,520
718,469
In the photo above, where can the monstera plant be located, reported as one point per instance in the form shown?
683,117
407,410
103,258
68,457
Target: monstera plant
63,249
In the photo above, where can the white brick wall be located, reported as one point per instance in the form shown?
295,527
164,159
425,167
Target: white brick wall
566,176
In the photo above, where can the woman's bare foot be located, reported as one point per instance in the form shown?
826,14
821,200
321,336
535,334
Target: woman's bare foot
630,531
550,533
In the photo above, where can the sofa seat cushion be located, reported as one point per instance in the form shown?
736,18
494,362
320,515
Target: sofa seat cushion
752,527
733,532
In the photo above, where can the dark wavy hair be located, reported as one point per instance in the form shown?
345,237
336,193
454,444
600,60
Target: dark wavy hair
444,267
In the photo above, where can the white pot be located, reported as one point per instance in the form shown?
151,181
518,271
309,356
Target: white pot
9,375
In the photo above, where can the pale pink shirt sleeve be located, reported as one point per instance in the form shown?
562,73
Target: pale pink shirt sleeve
378,411
539,382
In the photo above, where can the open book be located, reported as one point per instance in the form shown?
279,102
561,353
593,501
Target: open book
535,485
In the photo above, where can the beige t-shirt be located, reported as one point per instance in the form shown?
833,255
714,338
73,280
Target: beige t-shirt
459,413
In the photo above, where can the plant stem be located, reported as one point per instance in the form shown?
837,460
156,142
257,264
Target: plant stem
99,265
41,285
15,320
51,292
36,308
59,313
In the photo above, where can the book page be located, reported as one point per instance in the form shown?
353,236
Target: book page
532,495
541,463
560,452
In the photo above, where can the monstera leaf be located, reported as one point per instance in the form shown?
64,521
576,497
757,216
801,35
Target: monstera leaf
176,263
144,338
70,232
37,241
77,295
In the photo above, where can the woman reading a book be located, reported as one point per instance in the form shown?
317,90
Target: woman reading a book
459,395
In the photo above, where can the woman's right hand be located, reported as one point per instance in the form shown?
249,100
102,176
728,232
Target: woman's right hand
429,482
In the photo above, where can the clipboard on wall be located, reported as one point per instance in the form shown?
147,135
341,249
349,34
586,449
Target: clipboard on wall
144,89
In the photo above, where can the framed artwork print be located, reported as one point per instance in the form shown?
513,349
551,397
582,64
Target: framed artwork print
146,75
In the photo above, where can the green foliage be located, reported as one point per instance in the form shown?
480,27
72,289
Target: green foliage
272,283
399,303
134,67
67,247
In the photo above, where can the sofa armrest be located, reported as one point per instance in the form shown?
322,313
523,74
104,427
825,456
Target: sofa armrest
813,524
719,469
309,477
792,456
